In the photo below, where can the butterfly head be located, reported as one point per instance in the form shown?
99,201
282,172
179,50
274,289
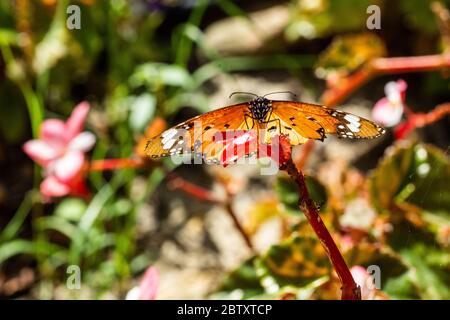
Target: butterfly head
260,107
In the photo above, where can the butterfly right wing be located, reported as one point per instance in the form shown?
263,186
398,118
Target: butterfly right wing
310,121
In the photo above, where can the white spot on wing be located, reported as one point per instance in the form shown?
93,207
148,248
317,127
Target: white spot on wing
352,127
354,120
168,144
169,133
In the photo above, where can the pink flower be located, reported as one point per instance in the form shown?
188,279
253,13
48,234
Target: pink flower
148,287
60,150
388,111
365,281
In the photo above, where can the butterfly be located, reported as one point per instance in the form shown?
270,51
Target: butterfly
208,135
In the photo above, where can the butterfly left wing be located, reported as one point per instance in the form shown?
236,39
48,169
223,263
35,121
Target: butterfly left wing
302,121
198,135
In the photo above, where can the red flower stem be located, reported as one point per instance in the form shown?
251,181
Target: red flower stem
115,164
424,119
193,190
339,92
350,290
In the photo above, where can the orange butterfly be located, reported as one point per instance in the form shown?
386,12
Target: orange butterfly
207,135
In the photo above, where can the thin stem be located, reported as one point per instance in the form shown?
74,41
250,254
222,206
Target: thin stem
337,93
115,164
193,190
350,290
229,209
419,120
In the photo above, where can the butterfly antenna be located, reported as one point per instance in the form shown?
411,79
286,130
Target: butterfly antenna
240,92
293,94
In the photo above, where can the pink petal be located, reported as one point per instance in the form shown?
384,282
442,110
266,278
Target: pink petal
52,187
83,142
41,152
75,123
387,113
69,166
53,131
365,281
149,284
133,294
396,91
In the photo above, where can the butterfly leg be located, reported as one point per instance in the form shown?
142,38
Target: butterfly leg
246,116
279,124
268,120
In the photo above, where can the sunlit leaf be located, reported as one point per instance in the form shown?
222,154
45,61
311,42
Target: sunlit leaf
349,52
299,259
260,213
314,19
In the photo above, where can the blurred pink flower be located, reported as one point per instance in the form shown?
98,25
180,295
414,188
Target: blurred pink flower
365,281
60,151
148,287
388,111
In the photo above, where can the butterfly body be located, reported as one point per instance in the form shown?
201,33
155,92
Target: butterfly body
260,108
209,134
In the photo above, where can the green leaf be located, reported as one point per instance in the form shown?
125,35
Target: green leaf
8,37
142,111
433,282
297,260
58,224
154,75
242,282
411,174
288,193
19,246
71,209
428,261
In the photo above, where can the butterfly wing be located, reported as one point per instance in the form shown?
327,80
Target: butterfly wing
197,135
303,121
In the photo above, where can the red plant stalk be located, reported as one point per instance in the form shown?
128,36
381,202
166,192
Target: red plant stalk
115,164
344,87
191,189
350,290
418,120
